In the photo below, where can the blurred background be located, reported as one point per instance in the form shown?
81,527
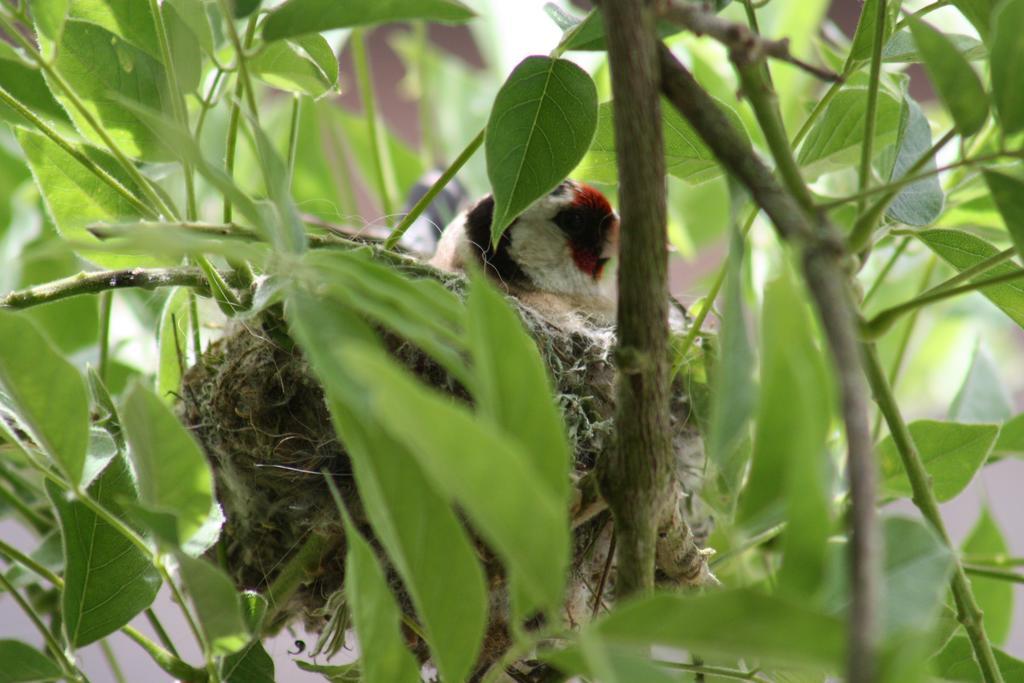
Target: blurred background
434,86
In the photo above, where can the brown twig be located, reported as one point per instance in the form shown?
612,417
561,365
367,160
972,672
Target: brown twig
745,46
636,476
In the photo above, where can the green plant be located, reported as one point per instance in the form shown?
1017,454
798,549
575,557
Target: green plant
131,125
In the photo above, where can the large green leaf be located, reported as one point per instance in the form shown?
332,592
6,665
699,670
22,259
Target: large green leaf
376,616
27,86
958,85
1008,193
739,623
963,250
522,519
46,392
306,65
686,155
512,388
297,17
916,575
400,502
1006,56
541,125
979,13
982,397
956,662
26,664
836,138
174,476
901,48
76,198
104,70
952,453
919,203
994,596
1011,436
788,476
217,605
107,579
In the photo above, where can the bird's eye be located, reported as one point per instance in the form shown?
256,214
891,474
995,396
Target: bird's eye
572,221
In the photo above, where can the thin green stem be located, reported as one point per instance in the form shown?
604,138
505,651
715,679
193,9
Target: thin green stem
424,107
904,343
386,184
29,563
994,560
884,273
165,660
977,269
161,632
76,153
31,517
207,103
66,665
193,319
867,144
968,612
293,137
245,81
299,568
341,175
751,543
994,573
819,108
434,190
115,668
864,227
927,9
106,301
884,320
720,671
144,183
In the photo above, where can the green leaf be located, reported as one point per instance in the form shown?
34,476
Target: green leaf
341,673
835,140
306,64
1008,193
735,395
1011,436
251,664
27,86
76,198
956,662
588,34
244,8
520,517
982,397
901,48
103,68
963,250
740,623
174,476
399,500
297,17
107,579
951,453
789,470
217,604
512,388
995,597
958,85
541,125
49,17
979,13
26,664
1006,57
686,155
46,392
919,203
355,133
376,616
916,576
864,37
173,338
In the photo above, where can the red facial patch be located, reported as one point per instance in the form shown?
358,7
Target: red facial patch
588,262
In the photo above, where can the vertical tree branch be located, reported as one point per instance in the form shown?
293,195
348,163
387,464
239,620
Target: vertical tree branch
798,222
636,475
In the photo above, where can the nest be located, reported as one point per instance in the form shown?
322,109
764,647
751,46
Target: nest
259,413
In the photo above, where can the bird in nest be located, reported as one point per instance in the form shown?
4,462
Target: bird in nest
553,256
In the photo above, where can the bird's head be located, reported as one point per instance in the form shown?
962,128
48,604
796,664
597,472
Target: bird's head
561,243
